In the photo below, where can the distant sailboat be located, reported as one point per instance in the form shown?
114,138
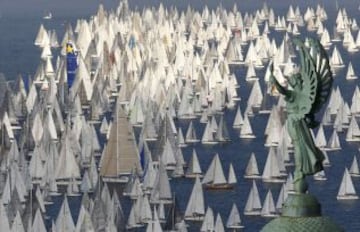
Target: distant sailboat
215,178
253,204
195,209
354,169
191,134
234,221
252,170
271,171
121,154
47,15
246,130
347,190
268,209
320,176
194,168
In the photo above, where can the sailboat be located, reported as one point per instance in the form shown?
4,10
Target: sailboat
121,154
246,130
194,168
238,121
253,204
350,74
47,15
354,169
268,209
191,134
347,190
320,176
208,223
214,178
271,171
234,221
252,170
208,136
195,209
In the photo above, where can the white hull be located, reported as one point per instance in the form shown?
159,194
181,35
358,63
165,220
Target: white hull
209,142
270,215
247,136
196,219
274,180
252,176
347,197
252,213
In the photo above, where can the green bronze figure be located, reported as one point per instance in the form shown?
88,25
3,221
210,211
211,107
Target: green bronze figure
306,93
309,91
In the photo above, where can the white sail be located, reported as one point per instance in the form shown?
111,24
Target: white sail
252,170
38,223
281,198
195,209
208,135
253,204
168,156
180,138
334,142
234,221
353,132
232,177
346,190
320,139
271,171
222,133
350,74
162,189
17,225
238,121
354,169
64,221
208,223
246,130
215,173
219,226
191,134
336,59
268,209
194,168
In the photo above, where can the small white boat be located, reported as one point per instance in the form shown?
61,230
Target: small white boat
252,170
268,209
48,15
347,190
234,220
320,176
253,204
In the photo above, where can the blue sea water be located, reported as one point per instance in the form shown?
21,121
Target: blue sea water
19,23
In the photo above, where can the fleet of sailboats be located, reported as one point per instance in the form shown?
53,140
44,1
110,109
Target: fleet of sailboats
145,87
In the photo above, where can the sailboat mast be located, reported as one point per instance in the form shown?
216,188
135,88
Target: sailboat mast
117,137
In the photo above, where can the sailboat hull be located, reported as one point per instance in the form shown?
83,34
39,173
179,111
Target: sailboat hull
347,197
218,186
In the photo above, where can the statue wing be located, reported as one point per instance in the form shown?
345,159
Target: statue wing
307,96
324,75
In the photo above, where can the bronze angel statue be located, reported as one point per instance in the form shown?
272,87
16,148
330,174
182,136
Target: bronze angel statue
309,91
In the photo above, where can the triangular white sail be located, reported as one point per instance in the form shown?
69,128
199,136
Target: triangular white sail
347,190
268,209
252,170
253,204
195,209
234,221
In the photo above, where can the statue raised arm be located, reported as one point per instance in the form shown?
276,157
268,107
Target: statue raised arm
310,90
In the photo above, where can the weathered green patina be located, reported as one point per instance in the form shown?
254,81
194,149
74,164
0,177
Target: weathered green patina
309,91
